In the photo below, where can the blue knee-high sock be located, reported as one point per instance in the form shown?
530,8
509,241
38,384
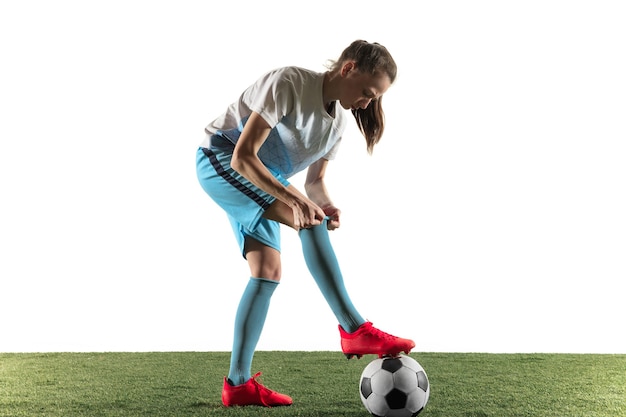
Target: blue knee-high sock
249,321
322,263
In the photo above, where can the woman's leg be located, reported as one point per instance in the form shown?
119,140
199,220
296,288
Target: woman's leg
358,337
322,262
264,265
240,388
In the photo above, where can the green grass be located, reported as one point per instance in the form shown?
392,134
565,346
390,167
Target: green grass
321,384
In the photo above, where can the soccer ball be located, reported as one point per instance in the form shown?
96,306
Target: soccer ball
394,387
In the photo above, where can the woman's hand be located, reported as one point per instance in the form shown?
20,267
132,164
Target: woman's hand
333,214
306,214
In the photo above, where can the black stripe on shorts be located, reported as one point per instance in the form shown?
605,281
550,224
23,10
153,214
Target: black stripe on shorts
234,181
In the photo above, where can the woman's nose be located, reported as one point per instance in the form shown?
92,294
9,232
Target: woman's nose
365,102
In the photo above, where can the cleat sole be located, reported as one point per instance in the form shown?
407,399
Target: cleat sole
352,355
380,355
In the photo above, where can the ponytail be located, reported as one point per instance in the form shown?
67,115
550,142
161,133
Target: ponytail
371,122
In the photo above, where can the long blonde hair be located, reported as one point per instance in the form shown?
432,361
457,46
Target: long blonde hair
370,58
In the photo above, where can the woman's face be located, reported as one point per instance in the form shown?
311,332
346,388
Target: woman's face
359,88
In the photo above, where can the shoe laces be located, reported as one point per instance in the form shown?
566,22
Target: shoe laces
383,335
261,389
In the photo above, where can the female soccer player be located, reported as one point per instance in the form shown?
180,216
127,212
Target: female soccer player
288,121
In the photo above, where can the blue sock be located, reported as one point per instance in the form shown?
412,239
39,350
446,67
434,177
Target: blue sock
249,321
322,263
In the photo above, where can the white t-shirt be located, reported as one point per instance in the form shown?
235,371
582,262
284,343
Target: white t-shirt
290,100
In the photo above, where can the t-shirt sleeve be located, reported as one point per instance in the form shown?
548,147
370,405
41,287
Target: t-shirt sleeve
272,96
332,153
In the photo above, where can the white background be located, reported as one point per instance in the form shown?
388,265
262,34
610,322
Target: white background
490,218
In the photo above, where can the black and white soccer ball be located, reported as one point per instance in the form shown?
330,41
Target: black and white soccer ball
394,387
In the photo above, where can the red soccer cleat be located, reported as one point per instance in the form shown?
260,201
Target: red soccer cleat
252,393
367,339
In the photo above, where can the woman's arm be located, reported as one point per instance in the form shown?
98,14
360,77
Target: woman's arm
246,161
315,188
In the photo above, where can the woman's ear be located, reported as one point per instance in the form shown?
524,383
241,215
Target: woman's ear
347,67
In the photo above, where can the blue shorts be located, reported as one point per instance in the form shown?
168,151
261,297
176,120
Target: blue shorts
243,202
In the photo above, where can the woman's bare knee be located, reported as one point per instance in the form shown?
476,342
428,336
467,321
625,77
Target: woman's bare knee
264,261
